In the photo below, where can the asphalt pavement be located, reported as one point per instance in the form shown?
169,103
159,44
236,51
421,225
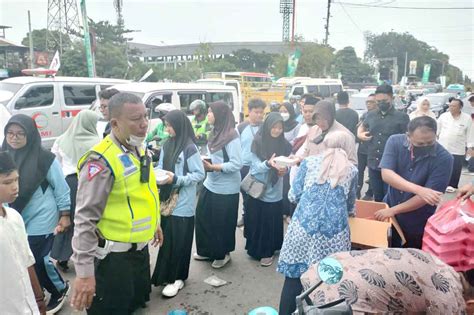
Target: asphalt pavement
248,284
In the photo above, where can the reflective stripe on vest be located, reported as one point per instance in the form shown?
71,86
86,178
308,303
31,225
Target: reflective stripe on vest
132,209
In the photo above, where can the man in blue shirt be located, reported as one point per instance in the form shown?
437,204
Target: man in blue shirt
417,170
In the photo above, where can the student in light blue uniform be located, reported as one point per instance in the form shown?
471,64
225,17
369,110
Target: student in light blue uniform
247,131
263,218
181,158
217,208
43,200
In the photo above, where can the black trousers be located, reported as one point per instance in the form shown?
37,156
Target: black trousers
292,287
48,276
362,164
378,185
122,283
457,168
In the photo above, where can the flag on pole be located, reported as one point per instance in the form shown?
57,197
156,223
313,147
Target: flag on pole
55,63
293,63
426,73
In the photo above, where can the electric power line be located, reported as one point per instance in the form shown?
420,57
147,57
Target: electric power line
350,18
403,8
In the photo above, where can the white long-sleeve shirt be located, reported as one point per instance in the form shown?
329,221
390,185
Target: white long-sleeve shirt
453,132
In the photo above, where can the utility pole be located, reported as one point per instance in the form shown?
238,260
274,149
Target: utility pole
327,23
30,36
87,41
406,63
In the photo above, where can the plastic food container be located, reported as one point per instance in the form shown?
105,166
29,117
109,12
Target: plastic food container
284,161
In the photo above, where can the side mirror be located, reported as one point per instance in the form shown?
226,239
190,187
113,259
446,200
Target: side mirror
21,102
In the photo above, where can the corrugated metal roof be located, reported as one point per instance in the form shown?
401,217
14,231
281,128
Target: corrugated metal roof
225,48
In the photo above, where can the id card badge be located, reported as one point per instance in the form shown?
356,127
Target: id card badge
127,163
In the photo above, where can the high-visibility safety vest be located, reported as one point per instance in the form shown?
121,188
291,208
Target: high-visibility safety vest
132,209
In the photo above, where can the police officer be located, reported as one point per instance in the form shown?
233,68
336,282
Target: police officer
200,125
117,214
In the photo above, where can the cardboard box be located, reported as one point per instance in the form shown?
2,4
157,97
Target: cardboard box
367,232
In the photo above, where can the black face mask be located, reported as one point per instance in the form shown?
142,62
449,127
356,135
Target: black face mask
384,106
422,151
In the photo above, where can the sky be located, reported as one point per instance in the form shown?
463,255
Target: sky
164,22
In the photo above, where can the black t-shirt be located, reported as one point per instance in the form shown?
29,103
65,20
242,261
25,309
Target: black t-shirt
348,118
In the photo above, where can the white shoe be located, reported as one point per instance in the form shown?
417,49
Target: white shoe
172,289
196,256
221,262
450,189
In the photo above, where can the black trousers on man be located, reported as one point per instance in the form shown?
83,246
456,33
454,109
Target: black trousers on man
378,185
123,283
457,168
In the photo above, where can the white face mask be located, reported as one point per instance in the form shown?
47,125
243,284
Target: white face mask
285,116
135,141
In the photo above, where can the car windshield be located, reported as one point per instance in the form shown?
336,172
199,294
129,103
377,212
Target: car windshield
10,90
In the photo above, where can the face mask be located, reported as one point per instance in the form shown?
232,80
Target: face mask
135,141
384,106
285,116
422,151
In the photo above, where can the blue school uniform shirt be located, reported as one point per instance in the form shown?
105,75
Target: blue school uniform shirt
247,134
432,171
227,181
41,213
260,170
187,194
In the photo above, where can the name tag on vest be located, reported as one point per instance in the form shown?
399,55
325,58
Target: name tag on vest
128,165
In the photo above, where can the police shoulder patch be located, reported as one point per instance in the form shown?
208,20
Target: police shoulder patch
93,169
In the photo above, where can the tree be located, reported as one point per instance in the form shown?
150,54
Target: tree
315,59
248,60
349,66
392,44
39,40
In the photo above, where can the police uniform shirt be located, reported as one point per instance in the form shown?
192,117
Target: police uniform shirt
381,126
95,184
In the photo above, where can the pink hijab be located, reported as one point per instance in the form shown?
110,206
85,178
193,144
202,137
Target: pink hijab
335,165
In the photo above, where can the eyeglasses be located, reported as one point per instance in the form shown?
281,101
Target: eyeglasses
102,107
19,136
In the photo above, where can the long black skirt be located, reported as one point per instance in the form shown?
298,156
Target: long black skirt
174,256
216,221
62,249
263,228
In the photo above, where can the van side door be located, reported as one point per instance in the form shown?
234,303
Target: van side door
75,96
41,101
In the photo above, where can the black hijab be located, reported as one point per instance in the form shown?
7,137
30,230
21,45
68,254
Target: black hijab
224,127
33,161
264,145
175,145
291,123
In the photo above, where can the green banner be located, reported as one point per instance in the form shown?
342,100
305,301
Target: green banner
293,63
426,73
87,41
